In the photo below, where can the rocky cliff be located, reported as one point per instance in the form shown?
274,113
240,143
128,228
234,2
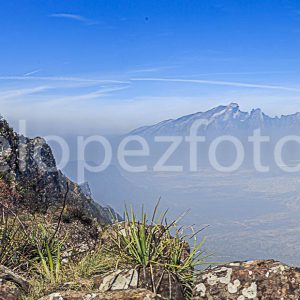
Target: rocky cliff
29,165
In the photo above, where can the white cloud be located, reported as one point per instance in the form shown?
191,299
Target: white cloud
74,17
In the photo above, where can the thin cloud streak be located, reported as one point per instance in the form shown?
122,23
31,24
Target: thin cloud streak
152,69
74,17
101,87
10,94
219,82
247,73
32,72
54,78
88,96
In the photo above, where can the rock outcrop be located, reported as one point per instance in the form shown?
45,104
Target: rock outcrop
138,294
30,166
261,279
12,286
164,283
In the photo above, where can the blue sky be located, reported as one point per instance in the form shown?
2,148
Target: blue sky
109,66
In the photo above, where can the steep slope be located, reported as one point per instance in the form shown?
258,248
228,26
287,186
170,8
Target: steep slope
29,166
113,187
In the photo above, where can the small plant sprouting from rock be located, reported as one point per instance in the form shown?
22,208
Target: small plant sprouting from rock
159,243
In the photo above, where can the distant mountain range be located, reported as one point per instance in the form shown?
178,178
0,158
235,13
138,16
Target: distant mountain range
224,118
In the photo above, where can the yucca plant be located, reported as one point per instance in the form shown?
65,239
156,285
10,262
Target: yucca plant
49,255
159,243
138,241
183,258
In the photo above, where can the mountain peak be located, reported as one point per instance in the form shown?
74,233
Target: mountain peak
257,113
233,105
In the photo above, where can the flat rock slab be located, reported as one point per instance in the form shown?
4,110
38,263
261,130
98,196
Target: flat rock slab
260,279
138,294
166,284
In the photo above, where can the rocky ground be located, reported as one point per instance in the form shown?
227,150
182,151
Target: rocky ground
263,280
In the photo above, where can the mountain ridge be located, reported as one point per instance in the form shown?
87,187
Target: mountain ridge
222,117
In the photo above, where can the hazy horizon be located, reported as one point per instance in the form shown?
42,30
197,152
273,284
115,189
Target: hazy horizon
90,67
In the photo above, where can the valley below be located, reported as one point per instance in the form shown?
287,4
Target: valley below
250,215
